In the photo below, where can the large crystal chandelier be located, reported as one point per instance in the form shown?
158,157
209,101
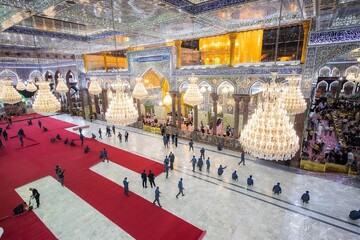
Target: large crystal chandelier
45,101
61,86
193,95
139,91
94,87
121,109
167,101
269,134
30,87
20,86
293,98
9,94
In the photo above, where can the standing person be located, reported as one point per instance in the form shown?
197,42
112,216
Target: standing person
202,152
176,140
21,138
242,157
172,138
105,155
113,129
144,179
250,181
166,167
57,170
277,189
36,195
221,170
126,136
39,123
200,163
208,164
5,135
61,176
151,178
193,161
165,141
82,139
234,176
181,188
126,186
191,145
172,159
80,130
100,132
157,196
86,149
120,136
305,197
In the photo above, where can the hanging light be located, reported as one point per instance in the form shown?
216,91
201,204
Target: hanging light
269,133
45,101
139,91
121,109
193,95
61,86
203,89
94,87
20,86
9,94
167,101
293,98
30,87
109,94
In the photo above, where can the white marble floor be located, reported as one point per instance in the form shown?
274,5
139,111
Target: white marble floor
226,209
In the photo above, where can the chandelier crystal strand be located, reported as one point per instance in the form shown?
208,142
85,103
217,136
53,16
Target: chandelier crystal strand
94,87
31,87
121,109
45,101
269,134
139,91
193,95
9,93
61,86
167,99
20,85
293,98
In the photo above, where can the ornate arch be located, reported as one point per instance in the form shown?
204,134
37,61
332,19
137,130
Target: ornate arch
351,69
10,74
183,86
325,72
335,72
225,83
321,83
36,74
255,87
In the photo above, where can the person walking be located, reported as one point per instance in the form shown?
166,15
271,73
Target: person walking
120,136
157,196
80,130
126,187
57,170
221,170
208,164
1,144
181,188
172,159
5,135
126,136
193,161
61,176
82,139
250,181
234,176
151,178
191,145
36,195
305,197
202,152
144,179
277,189
200,163
176,140
113,129
105,155
21,138
39,123
242,157
166,168
100,132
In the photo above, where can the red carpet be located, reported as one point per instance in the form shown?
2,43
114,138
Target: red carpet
23,117
36,161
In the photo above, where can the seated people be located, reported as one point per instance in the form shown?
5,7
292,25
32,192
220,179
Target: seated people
72,143
234,176
23,207
250,181
219,147
66,141
277,189
29,122
86,149
58,137
45,129
305,197
52,140
354,215
93,136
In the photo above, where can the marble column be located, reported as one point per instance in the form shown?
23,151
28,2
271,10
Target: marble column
215,98
246,100
237,98
232,38
178,53
179,109
196,124
173,110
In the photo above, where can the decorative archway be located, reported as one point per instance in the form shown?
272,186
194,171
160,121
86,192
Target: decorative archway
49,76
35,75
10,74
335,72
325,72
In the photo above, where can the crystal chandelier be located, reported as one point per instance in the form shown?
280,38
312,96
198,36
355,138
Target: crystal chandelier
45,101
193,95
121,109
293,99
354,76
9,94
61,86
269,133
30,87
20,86
94,87
139,91
167,101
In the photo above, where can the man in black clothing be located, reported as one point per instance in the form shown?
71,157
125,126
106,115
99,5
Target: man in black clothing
30,122
305,197
66,141
151,178
86,149
23,207
113,129
39,123
1,144
36,195
58,137
277,189
144,179
72,143
126,136
82,139
5,135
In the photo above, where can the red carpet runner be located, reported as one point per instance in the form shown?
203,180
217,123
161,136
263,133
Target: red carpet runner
137,216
